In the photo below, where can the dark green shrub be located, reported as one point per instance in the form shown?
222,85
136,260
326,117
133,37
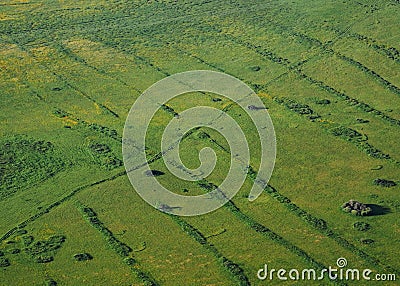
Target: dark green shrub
111,162
42,251
83,257
130,261
361,226
384,183
60,113
4,262
14,251
203,135
169,110
26,161
367,240
346,133
21,232
251,173
235,271
100,148
255,68
372,151
88,212
323,101
44,258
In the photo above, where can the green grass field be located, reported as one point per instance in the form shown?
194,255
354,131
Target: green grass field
329,74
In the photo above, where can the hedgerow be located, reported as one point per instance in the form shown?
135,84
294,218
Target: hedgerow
122,249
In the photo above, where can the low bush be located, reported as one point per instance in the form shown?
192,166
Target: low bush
60,113
100,148
323,101
42,251
130,261
235,271
4,262
44,258
169,110
83,256
255,68
361,226
346,133
384,183
14,251
366,240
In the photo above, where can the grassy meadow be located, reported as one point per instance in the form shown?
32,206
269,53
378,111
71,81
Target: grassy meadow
327,71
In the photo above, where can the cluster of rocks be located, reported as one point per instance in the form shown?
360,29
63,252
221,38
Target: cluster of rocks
356,208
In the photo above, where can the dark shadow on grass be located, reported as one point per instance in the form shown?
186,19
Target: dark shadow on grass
378,210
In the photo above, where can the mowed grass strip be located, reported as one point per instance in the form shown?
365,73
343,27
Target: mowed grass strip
105,267
170,255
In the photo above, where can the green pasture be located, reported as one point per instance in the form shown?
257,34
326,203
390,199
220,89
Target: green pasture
328,73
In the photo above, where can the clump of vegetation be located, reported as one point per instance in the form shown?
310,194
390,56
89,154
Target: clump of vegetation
83,256
360,120
25,161
206,185
384,183
60,113
4,262
346,133
130,261
297,107
112,133
367,240
14,251
361,226
203,135
255,68
43,251
356,208
100,148
323,101
44,258
104,157
27,240
372,151
169,110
